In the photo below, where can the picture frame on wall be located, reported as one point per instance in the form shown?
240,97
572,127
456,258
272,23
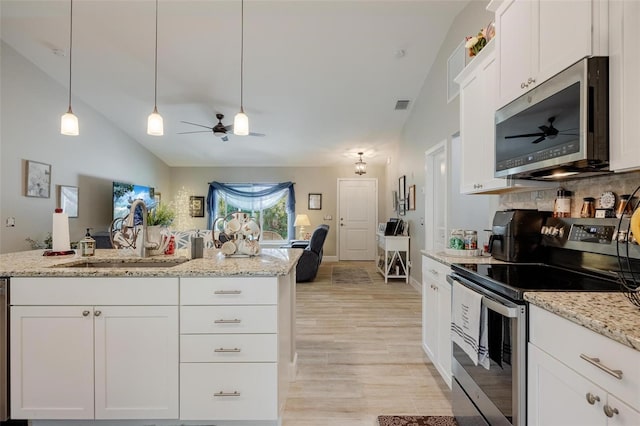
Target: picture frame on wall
402,194
68,199
315,202
412,198
196,206
38,179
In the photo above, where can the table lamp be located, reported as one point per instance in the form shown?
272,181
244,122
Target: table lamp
302,220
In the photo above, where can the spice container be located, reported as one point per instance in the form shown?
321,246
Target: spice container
562,206
588,207
625,206
470,240
456,241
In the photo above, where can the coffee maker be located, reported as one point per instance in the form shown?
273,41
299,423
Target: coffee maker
516,235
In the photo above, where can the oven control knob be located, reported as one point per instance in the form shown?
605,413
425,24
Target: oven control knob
560,232
544,230
555,232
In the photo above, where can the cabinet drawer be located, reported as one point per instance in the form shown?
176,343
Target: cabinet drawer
567,341
94,291
229,291
434,270
256,385
228,319
229,348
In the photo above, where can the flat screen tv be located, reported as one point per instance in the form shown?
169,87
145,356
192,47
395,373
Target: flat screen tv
126,193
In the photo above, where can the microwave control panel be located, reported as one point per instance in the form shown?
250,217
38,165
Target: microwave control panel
601,234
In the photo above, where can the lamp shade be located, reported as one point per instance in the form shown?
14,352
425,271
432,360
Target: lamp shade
155,125
241,124
69,124
302,220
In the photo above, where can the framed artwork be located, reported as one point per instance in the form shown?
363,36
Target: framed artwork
412,198
157,197
315,201
455,64
196,206
382,226
38,179
402,192
68,200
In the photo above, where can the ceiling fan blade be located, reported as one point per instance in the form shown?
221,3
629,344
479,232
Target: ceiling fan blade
197,131
526,135
545,128
199,125
540,139
257,134
229,127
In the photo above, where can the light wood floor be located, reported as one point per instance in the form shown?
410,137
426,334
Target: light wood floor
360,354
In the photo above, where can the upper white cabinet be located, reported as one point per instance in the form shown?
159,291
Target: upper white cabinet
539,38
624,86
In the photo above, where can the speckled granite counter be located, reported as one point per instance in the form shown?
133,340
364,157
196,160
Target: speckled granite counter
442,257
609,314
271,262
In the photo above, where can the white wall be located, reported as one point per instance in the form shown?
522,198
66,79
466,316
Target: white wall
323,180
31,105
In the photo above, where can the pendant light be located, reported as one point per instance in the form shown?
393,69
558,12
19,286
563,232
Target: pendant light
155,126
361,166
241,121
69,122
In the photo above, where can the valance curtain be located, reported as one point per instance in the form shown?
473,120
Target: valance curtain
251,197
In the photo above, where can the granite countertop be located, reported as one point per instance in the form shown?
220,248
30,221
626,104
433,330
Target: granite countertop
609,314
443,257
271,262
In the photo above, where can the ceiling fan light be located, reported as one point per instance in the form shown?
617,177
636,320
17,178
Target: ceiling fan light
155,124
241,124
69,124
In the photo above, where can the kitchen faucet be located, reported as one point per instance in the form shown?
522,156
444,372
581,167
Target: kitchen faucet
131,223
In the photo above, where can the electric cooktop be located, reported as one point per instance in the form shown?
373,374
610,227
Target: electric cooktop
513,279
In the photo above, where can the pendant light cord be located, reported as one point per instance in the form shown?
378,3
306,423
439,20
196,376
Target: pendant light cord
241,55
70,48
155,91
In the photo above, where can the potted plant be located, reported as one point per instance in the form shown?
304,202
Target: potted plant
158,219
160,215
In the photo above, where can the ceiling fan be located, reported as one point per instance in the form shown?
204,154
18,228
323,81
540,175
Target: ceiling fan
219,130
546,132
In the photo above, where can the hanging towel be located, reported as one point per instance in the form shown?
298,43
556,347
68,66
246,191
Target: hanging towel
469,324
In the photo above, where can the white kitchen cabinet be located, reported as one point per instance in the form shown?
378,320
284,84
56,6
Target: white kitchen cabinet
93,361
539,38
436,316
565,389
624,85
393,256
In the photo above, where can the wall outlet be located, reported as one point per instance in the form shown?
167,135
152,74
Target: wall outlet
11,222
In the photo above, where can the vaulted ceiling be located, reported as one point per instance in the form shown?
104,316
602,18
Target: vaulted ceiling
321,78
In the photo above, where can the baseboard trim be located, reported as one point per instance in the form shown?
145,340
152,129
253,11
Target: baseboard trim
415,284
330,258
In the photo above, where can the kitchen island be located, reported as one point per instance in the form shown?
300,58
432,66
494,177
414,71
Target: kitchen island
162,340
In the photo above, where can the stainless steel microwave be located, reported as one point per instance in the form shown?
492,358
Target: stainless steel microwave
559,129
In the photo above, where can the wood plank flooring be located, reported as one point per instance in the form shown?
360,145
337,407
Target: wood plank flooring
360,354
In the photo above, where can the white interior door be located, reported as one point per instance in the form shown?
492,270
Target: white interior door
436,164
357,218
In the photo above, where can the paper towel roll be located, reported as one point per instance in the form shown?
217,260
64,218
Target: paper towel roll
60,233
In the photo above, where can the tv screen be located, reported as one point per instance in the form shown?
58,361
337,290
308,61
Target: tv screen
124,194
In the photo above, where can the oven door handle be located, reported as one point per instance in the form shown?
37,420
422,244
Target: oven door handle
490,303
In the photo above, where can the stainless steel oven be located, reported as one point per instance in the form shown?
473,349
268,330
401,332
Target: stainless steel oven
494,396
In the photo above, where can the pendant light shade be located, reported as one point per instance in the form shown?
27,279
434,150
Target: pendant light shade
241,121
69,122
361,166
155,124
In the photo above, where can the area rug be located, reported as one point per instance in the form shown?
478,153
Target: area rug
417,421
350,276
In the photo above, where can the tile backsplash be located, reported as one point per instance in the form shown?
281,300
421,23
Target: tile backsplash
618,183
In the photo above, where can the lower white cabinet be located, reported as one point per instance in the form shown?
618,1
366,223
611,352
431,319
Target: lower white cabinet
436,316
92,361
566,390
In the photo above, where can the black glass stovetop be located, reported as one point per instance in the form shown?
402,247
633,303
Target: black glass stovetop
513,279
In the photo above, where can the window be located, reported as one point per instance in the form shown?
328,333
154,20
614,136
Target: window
270,204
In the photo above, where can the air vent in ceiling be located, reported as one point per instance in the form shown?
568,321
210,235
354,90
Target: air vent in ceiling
402,105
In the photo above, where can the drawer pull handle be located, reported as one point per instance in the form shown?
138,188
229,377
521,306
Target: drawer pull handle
609,411
433,271
227,292
596,362
227,350
221,393
224,321
591,398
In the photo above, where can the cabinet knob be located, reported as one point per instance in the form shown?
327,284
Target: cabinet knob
609,411
433,271
591,398
97,313
523,85
531,80
85,313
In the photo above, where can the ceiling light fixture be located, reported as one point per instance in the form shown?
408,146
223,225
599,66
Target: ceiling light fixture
241,121
361,166
155,125
69,122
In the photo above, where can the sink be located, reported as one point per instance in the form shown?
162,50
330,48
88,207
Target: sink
123,263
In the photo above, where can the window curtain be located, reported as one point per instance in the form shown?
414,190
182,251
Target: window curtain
251,197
